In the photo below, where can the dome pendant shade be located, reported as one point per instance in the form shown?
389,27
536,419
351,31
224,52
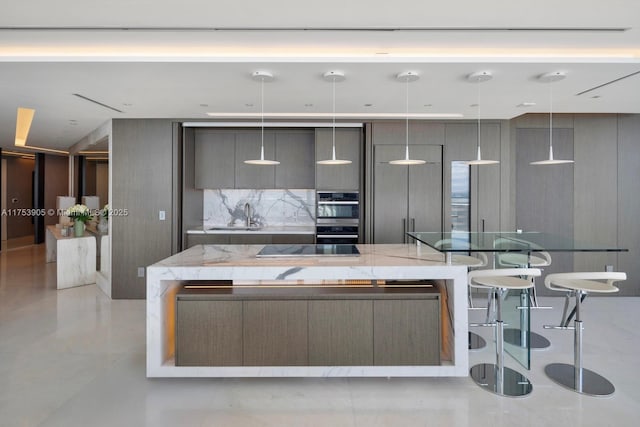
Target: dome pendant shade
551,160
479,161
333,77
407,161
262,161
262,76
550,78
406,77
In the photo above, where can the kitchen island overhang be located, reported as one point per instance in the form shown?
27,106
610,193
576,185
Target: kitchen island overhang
238,264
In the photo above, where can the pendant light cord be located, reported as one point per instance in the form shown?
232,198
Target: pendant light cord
551,118
478,95
262,118
333,131
406,85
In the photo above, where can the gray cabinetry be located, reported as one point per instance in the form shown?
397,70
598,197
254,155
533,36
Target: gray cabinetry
248,148
311,327
294,151
214,158
341,333
220,156
290,239
406,198
348,147
275,333
208,333
461,145
248,239
207,239
406,332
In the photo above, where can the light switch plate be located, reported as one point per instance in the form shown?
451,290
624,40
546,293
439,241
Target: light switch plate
140,271
162,215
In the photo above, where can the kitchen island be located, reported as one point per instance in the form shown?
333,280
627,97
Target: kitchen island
229,275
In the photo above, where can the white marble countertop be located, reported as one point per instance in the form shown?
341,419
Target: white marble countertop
239,262
275,229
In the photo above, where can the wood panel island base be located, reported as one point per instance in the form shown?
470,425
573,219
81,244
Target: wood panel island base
393,311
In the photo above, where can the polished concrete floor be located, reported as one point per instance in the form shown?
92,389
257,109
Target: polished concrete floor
75,358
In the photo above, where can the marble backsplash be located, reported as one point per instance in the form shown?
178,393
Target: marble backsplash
268,207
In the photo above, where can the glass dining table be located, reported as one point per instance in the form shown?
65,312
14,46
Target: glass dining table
516,306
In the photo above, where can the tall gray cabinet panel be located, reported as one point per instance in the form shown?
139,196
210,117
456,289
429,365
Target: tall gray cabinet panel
294,151
461,144
628,202
248,148
390,195
214,158
348,147
485,181
544,193
406,198
425,190
595,205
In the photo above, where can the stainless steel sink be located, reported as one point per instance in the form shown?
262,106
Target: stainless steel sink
234,228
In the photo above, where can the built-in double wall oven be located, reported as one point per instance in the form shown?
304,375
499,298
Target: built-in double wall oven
338,217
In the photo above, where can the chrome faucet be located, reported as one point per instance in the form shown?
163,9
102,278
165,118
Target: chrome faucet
247,213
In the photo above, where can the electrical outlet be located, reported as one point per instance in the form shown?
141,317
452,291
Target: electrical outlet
140,271
162,215
608,268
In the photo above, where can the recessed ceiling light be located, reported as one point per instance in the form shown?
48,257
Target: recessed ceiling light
526,104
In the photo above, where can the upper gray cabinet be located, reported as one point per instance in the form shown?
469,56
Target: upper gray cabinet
348,147
294,151
214,158
220,155
248,148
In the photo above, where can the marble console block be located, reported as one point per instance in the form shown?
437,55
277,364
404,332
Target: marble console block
268,207
75,258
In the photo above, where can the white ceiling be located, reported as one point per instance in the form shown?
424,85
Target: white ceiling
151,58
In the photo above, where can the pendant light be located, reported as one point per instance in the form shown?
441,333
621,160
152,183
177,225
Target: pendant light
262,76
550,78
480,77
333,77
407,77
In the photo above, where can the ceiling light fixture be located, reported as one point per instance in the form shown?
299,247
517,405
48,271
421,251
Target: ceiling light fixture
23,124
333,77
551,78
262,76
406,77
480,77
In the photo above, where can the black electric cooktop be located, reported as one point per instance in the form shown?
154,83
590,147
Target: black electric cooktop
308,250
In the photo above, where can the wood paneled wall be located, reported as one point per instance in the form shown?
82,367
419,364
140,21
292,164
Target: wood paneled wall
603,206
143,173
